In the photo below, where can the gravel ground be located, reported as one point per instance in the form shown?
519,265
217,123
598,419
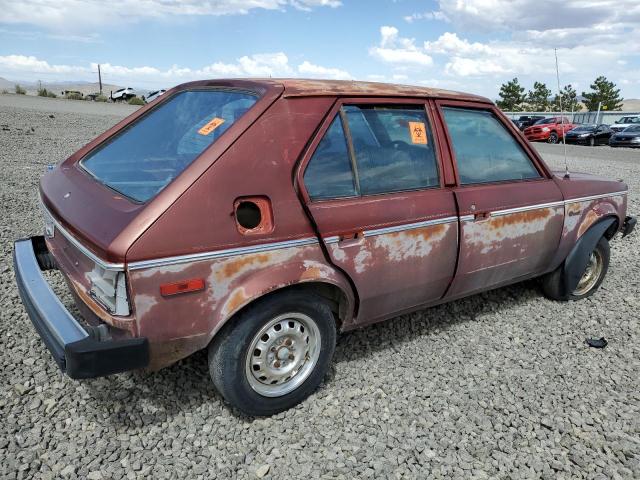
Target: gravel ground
500,385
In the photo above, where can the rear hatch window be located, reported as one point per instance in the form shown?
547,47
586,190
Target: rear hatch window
147,155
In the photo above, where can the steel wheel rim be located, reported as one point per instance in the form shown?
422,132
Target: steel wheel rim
283,354
591,274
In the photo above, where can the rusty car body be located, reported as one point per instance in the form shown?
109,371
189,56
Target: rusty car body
181,267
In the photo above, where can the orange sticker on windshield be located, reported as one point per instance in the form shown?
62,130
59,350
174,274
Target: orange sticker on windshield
211,126
418,132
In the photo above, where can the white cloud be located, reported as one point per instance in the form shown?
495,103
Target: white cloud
450,43
394,49
425,15
564,23
309,69
82,15
21,67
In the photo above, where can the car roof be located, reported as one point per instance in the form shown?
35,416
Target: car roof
297,87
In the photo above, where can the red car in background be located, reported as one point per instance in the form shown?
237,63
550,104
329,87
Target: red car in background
548,129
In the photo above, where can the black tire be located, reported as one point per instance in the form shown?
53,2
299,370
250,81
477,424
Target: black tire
228,362
553,283
553,138
592,142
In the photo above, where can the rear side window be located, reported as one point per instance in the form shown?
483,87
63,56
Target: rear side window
145,157
329,173
392,151
485,150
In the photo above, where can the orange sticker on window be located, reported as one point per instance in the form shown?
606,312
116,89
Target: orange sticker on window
211,126
418,132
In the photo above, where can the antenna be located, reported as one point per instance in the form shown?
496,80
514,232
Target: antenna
564,143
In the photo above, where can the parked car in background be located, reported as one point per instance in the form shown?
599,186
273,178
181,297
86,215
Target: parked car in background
589,134
527,120
123,94
629,137
625,122
151,96
548,129
365,201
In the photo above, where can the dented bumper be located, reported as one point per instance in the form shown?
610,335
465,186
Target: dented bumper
77,349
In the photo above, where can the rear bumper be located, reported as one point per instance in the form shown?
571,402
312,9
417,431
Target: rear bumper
77,349
628,226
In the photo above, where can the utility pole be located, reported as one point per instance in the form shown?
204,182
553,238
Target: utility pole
100,79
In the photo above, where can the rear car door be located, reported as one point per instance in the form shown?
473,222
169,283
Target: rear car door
372,184
511,211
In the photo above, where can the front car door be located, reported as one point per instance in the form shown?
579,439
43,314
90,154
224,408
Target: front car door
371,181
511,211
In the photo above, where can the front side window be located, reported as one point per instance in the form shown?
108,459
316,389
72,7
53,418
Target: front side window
146,156
485,150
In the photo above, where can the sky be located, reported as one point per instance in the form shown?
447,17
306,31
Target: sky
468,45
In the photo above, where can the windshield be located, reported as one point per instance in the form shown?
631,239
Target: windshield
545,121
635,128
584,128
629,120
141,160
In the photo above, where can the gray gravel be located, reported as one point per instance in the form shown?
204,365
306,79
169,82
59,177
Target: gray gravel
500,385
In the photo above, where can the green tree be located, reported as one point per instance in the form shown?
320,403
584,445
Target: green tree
602,90
511,96
569,99
538,98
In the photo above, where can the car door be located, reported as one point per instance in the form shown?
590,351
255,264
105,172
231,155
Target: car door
372,183
511,211
602,134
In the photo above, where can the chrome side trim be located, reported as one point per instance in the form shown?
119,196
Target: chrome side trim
596,197
396,228
508,211
409,226
195,257
85,251
528,208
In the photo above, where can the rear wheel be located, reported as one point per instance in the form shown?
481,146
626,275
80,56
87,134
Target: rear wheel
553,138
275,353
593,276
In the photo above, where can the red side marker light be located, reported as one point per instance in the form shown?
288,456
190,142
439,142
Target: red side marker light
186,286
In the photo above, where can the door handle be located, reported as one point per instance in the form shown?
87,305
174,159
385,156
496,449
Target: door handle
351,240
481,215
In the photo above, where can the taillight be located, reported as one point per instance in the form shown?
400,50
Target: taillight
109,288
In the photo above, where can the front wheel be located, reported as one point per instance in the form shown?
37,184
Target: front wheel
553,138
274,354
593,276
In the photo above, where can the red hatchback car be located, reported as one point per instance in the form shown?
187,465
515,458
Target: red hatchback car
257,218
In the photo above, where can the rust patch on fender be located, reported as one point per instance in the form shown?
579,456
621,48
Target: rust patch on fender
235,301
589,219
232,268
